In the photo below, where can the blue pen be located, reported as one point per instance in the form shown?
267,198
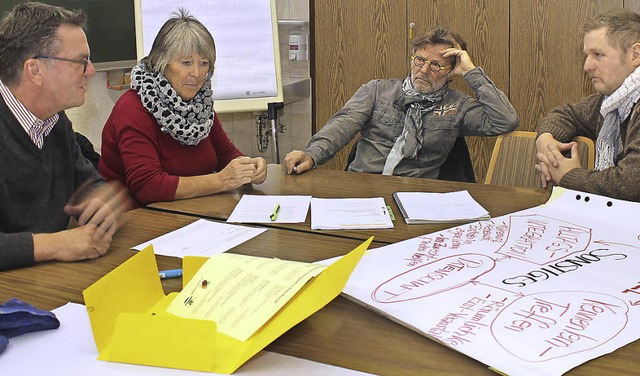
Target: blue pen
173,273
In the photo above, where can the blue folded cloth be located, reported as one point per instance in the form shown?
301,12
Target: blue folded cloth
17,317
4,341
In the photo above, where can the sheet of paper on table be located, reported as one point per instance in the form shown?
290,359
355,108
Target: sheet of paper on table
258,209
536,292
201,238
70,350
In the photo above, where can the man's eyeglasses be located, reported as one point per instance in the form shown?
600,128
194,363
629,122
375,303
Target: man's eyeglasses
84,61
435,67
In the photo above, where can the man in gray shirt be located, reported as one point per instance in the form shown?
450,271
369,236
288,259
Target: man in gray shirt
408,126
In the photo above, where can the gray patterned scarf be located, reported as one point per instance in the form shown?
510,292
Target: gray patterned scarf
187,122
410,140
615,109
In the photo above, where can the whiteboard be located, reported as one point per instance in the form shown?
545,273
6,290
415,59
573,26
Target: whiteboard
247,72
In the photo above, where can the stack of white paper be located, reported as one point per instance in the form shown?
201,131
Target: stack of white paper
425,207
349,213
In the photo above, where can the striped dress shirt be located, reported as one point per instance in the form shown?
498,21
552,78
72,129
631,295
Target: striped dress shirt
36,129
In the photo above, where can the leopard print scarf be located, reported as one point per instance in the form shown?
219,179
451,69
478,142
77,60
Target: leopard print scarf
187,122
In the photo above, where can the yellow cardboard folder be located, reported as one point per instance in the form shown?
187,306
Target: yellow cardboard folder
127,312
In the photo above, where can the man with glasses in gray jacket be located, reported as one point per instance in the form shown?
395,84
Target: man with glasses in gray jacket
409,126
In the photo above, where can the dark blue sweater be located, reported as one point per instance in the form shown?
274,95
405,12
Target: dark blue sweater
35,185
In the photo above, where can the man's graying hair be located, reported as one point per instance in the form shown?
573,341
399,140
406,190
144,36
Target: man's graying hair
439,35
181,36
30,29
623,27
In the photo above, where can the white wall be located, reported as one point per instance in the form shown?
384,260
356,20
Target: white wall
241,127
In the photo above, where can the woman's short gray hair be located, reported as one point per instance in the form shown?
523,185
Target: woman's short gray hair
181,35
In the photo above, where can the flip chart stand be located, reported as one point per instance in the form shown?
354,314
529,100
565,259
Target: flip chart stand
272,116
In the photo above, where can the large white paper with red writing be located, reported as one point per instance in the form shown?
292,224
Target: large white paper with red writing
536,292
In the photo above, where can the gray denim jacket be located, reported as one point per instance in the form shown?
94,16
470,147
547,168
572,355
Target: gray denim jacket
374,113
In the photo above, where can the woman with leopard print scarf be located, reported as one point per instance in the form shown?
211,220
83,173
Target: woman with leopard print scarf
163,139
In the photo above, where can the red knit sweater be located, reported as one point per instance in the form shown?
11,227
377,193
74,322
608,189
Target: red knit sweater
139,155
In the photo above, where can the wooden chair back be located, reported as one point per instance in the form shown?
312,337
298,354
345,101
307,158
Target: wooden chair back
514,156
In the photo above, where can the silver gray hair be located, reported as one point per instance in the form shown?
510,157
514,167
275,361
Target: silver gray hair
181,35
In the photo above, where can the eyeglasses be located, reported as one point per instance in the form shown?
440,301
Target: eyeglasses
84,61
420,61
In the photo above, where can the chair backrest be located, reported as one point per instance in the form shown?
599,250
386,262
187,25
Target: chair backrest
587,151
87,149
514,156
457,166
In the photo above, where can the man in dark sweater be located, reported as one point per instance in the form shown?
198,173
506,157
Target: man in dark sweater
44,179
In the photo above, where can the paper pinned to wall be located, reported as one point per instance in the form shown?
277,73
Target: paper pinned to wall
247,69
